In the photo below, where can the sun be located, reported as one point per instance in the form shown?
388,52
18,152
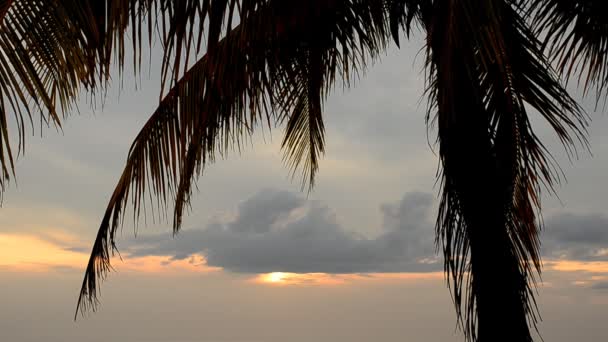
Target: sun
299,279
276,277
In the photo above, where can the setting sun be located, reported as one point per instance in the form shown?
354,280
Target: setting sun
276,277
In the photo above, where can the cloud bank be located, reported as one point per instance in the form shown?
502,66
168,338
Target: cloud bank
576,237
279,231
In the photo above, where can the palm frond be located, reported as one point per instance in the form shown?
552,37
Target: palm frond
43,66
485,68
304,132
576,36
277,65
404,13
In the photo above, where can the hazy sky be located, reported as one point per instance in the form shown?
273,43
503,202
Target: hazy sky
357,254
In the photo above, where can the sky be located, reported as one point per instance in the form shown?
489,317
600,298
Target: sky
259,260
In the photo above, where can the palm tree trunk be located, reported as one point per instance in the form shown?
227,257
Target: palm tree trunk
497,281
480,163
498,287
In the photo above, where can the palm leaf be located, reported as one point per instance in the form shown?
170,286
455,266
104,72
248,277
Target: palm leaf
404,13
43,66
304,132
277,65
576,36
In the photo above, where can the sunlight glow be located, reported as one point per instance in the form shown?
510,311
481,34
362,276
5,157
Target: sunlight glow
57,249
284,278
27,252
325,279
275,277
578,266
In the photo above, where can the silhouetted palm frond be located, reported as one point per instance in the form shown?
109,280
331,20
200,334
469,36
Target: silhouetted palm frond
50,49
277,65
44,63
576,34
403,14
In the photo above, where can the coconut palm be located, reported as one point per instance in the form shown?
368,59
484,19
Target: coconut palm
230,66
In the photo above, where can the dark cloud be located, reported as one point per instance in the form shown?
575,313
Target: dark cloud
280,231
267,208
576,237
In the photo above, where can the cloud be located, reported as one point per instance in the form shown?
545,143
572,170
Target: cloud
279,231
576,237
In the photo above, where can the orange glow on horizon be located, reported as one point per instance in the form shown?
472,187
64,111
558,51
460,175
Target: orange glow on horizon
326,279
30,253
285,278
578,266
276,277
164,264
49,250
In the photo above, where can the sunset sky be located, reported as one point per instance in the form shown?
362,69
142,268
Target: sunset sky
259,260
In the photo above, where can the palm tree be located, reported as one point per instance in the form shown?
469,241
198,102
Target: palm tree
273,61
